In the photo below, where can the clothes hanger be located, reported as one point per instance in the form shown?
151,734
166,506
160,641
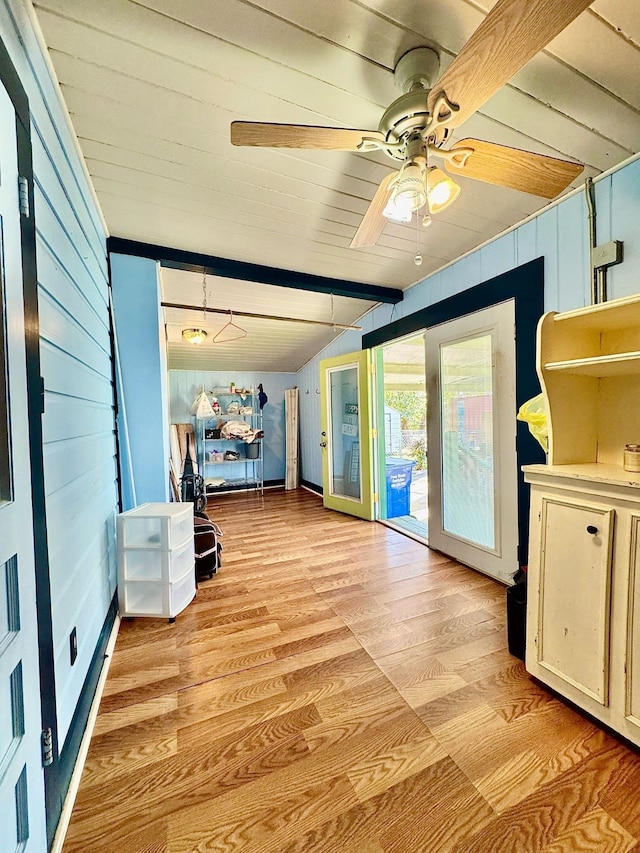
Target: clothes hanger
217,339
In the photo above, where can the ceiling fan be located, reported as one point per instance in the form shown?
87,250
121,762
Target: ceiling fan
418,124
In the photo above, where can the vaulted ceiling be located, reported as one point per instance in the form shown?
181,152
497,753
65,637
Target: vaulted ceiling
153,85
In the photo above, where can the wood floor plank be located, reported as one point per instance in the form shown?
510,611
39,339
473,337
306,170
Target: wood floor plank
339,688
596,832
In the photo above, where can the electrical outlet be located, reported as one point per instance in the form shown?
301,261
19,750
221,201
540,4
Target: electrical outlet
73,646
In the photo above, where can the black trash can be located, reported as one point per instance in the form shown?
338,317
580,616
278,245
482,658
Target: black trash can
517,619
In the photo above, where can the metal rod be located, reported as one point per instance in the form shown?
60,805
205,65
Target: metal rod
590,194
208,310
601,283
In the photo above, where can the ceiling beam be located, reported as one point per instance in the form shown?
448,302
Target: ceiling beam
180,259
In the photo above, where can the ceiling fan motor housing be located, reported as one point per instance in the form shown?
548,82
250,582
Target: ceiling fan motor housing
414,75
418,68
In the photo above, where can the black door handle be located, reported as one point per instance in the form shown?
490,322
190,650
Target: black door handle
592,529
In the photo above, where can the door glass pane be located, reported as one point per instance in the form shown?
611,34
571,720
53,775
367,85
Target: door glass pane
402,431
344,426
466,382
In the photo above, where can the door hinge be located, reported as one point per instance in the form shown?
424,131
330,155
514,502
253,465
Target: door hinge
376,497
46,742
23,196
374,433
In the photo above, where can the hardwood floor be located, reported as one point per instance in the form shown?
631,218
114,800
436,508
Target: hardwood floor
338,688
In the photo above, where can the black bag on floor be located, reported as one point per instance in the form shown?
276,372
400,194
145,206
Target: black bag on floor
207,546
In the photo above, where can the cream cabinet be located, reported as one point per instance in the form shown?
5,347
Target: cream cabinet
583,613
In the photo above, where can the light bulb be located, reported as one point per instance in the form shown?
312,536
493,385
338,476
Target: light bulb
398,209
440,194
441,190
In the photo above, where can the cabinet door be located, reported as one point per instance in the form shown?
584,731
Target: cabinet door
574,595
632,669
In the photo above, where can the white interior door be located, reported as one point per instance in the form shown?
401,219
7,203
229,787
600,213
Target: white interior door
471,426
22,810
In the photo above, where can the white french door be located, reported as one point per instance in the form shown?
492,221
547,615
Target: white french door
22,802
471,427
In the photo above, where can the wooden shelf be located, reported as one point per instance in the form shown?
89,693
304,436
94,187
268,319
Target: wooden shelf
589,369
601,472
606,316
621,364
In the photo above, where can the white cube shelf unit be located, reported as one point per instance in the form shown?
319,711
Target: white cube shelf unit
156,575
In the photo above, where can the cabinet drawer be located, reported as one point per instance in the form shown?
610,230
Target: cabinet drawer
153,564
180,593
155,525
154,598
575,594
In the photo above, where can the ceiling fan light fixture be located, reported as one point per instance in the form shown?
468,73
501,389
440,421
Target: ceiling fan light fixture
409,194
441,190
194,336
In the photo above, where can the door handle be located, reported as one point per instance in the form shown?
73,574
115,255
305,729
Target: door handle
323,444
592,529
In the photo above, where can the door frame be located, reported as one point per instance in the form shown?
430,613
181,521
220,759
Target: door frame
525,285
35,408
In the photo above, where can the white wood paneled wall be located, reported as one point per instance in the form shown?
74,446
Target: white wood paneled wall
559,234
78,423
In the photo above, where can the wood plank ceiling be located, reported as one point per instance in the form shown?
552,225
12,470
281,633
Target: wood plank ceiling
153,85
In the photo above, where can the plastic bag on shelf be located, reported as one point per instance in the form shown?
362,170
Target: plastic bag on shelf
534,413
201,407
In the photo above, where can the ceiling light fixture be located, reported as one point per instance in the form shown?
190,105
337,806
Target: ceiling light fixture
416,186
409,193
441,190
198,336
194,336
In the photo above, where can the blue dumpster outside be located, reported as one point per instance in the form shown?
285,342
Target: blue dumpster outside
399,473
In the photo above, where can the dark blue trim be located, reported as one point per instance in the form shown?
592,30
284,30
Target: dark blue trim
62,769
312,486
196,262
525,285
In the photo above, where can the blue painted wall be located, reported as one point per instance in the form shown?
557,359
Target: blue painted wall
143,418
559,234
78,422
185,384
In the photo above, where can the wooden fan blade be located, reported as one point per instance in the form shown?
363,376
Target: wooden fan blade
512,32
520,170
373,221
268,135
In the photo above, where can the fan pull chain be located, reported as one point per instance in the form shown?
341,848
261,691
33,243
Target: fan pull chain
333,314
418,258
